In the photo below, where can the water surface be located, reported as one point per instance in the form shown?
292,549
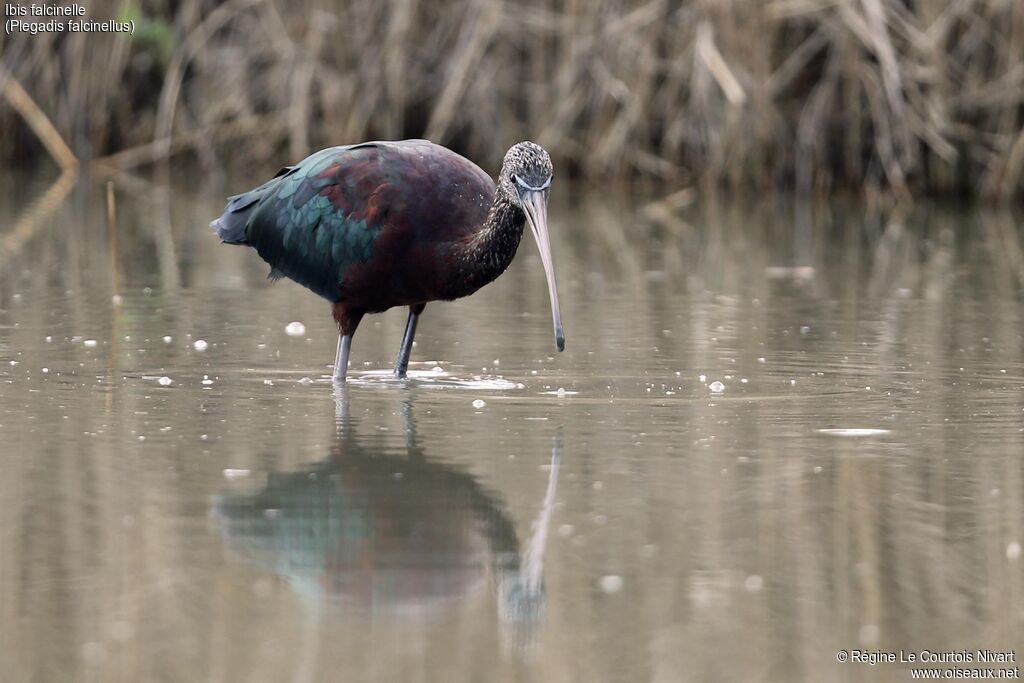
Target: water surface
854,480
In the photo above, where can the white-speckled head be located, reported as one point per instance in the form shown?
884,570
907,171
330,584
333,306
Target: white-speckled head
527,166
525,179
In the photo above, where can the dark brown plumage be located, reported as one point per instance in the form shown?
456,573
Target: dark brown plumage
384,224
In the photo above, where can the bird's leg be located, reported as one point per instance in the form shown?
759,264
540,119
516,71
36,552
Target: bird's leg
341,357
402,364
347,323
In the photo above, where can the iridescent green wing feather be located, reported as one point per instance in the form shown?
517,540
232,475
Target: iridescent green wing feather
312,222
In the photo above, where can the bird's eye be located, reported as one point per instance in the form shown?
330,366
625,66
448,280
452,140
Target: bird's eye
515,179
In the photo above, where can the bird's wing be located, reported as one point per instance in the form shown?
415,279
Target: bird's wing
317,218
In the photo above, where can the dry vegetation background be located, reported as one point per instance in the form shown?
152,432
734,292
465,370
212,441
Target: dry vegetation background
909,96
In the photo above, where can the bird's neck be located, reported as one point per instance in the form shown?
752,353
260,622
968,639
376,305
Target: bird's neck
491,249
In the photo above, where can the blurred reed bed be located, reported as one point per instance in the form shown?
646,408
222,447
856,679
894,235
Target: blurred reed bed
886,95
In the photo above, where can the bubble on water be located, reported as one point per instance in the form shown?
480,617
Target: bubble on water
702,378
305,380
717,387
141,438
295,329
754,583
610,583
165,381
168,339
817,469
1013,551
207,381
792,382
233,473
743,380
200,345
46,371
562,392
437,370
49,339
762,360
804,329
89,343
478,404
117,300
269,382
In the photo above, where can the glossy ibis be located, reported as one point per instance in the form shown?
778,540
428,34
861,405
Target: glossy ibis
383,224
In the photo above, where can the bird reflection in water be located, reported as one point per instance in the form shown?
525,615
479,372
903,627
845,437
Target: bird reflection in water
350,531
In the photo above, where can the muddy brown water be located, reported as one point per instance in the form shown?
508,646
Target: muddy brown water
854,481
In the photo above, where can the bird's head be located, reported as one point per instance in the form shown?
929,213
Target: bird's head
525,179
526,167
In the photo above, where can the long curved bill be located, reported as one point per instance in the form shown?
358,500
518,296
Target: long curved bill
535,204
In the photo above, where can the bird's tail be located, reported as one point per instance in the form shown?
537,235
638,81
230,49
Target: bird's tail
231,226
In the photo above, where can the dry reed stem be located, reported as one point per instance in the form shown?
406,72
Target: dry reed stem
476,32
175,72
162,149
716,64
38,121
